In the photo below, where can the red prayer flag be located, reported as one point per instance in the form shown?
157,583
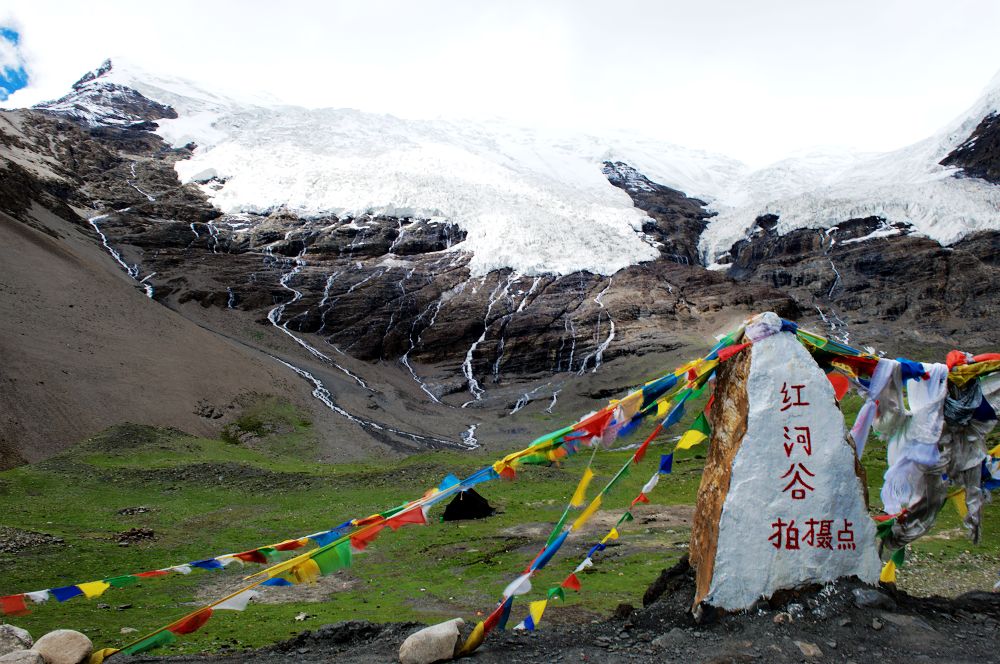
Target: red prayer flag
254,556
493,619
13,605
692,374
596,423
288,545
361,540
641,498
508,473
192,623
571,582
840,384
153,573
641,452
374,518
711,402
413,516
727,352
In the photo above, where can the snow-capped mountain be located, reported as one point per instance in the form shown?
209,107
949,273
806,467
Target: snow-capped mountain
536,202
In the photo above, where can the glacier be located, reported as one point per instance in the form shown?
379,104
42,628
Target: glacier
536,201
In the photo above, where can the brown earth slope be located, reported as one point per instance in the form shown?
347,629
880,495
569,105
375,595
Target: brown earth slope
83,349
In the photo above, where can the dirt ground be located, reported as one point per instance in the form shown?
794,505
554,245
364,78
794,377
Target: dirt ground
844,622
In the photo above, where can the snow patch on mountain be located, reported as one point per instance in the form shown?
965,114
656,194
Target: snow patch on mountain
908,185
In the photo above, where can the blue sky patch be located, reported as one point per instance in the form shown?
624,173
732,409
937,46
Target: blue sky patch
13,75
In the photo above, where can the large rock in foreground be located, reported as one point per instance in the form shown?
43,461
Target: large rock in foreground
13,638
431,644
64,646
780,504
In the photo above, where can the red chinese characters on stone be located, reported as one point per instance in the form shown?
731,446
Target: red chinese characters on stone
845,537
786,397
797,484
802,436
785,535
818,535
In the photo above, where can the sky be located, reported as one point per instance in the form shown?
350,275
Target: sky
758,81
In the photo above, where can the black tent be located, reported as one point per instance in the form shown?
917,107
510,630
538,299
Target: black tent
467,505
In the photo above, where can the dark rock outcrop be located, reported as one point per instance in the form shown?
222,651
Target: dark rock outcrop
677,219
979,155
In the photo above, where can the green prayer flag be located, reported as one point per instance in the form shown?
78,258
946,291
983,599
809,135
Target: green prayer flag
898,556
155,641
625,517
883,529
549,437
557,529
334,558
557,592
122,581
701,424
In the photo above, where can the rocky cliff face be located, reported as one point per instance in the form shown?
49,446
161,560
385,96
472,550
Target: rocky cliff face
868,281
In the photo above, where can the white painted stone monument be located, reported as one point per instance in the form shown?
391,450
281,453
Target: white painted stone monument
781,504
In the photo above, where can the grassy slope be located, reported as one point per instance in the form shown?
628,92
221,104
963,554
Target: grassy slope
210,497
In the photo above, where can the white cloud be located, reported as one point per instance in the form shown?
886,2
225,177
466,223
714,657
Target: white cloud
755,80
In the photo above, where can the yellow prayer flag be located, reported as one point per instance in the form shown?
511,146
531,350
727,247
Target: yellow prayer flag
888,574
581,489
98,656
613,535
474,641
995,452
306,572
958,499
661,409
536,609
691,438
594,505
94,588
630,405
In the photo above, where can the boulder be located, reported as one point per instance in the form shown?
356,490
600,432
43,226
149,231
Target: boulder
467,505
780,504
431,644
14,638
22,657
64,646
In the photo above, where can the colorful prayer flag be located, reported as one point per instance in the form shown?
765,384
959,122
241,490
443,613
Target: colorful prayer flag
150,642
191,623
13,605
571,582
581,489
94,588
475,640
584,517
666,463
237,602
699,431
65,593
888,574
